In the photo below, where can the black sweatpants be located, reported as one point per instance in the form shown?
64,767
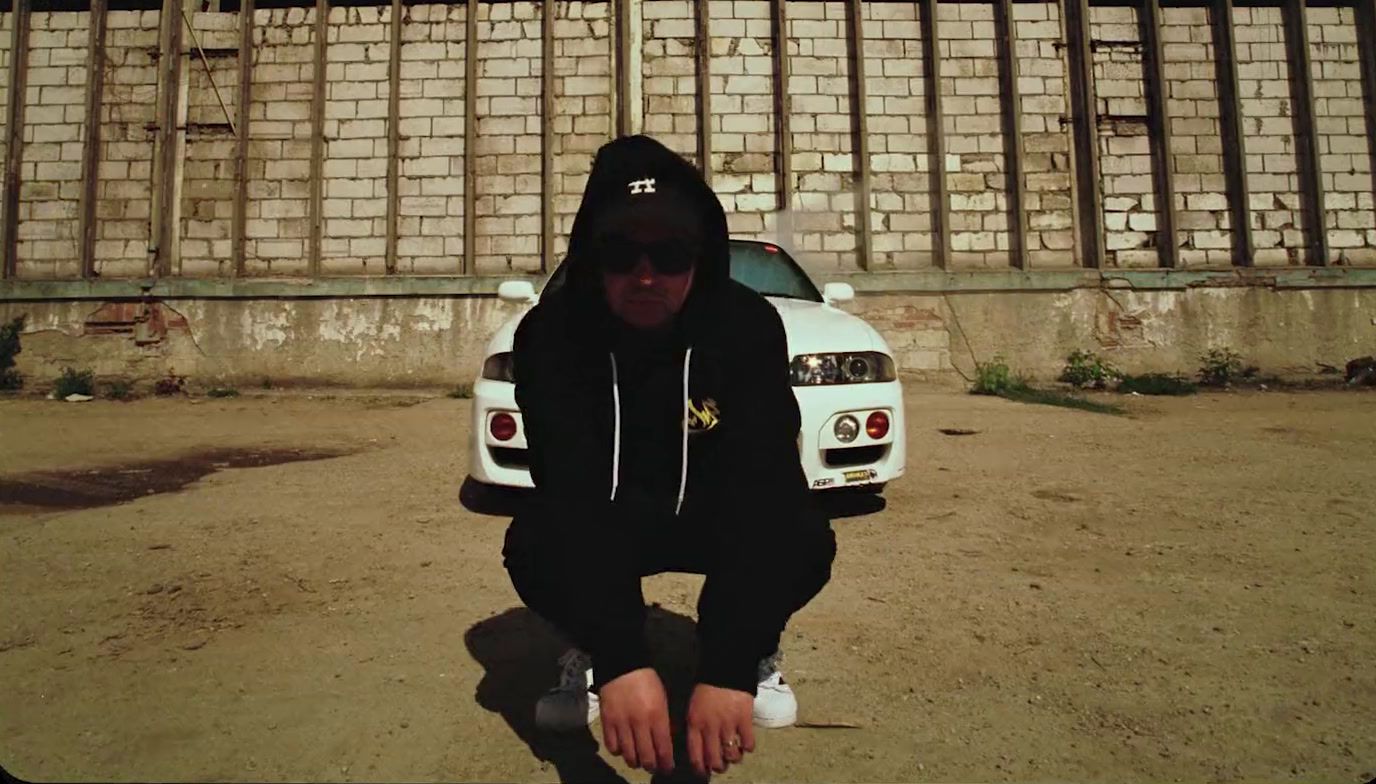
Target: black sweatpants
673,545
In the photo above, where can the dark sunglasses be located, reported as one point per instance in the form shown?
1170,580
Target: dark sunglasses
620,256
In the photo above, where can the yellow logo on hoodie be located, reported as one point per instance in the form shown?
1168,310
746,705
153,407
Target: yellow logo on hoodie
703,416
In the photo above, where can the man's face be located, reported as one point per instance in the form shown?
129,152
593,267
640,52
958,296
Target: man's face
647,273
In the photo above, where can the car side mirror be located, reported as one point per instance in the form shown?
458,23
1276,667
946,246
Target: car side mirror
837,293
517,292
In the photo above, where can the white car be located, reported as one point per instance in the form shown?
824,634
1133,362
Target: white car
843,373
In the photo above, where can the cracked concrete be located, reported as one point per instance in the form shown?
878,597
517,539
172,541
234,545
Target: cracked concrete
439,341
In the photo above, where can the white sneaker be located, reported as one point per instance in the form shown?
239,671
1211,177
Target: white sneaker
572,705
775,704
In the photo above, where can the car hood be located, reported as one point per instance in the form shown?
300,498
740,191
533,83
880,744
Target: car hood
816,328
811,327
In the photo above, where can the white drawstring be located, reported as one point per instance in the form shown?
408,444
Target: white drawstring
683,476
616,433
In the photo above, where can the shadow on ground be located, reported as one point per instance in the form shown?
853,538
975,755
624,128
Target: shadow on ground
518,652
496,501
108,485
838,504
491,500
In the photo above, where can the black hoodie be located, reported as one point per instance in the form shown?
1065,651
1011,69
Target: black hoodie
697,427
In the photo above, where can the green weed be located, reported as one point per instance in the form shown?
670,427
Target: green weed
1221,367
119,389
9,348
1086,370
74,382
997,379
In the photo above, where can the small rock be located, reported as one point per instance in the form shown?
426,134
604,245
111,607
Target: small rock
195,645
1035,586
154,588
405,724
77,398
424,564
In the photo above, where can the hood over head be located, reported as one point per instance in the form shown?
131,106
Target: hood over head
638,179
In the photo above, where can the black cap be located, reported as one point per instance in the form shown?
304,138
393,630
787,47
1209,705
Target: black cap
648,200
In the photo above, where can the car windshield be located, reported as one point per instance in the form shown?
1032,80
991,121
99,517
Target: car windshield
765,268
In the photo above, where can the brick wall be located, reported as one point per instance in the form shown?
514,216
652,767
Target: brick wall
1192,105
128,112
1278,220
896,89
582,116
6,19
1045,135
431,170
824,217
971,101
208,175
508,141
354,206
54,118
744,134
279,147
670,88
1343,136
820,225
1125,162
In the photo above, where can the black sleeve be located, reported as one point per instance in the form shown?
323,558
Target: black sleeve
605,614
770,534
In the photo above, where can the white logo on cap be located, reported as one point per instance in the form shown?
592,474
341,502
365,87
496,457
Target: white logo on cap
642,186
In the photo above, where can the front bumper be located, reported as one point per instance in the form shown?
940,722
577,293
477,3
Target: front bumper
827,462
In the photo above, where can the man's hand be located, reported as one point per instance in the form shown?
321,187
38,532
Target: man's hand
719,728
635,720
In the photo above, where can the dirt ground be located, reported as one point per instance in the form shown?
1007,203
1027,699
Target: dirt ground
1186,593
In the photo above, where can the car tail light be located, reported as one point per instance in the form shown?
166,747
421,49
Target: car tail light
503,427
877,426
771,249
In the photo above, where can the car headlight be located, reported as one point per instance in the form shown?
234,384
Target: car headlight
860,367
499,367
